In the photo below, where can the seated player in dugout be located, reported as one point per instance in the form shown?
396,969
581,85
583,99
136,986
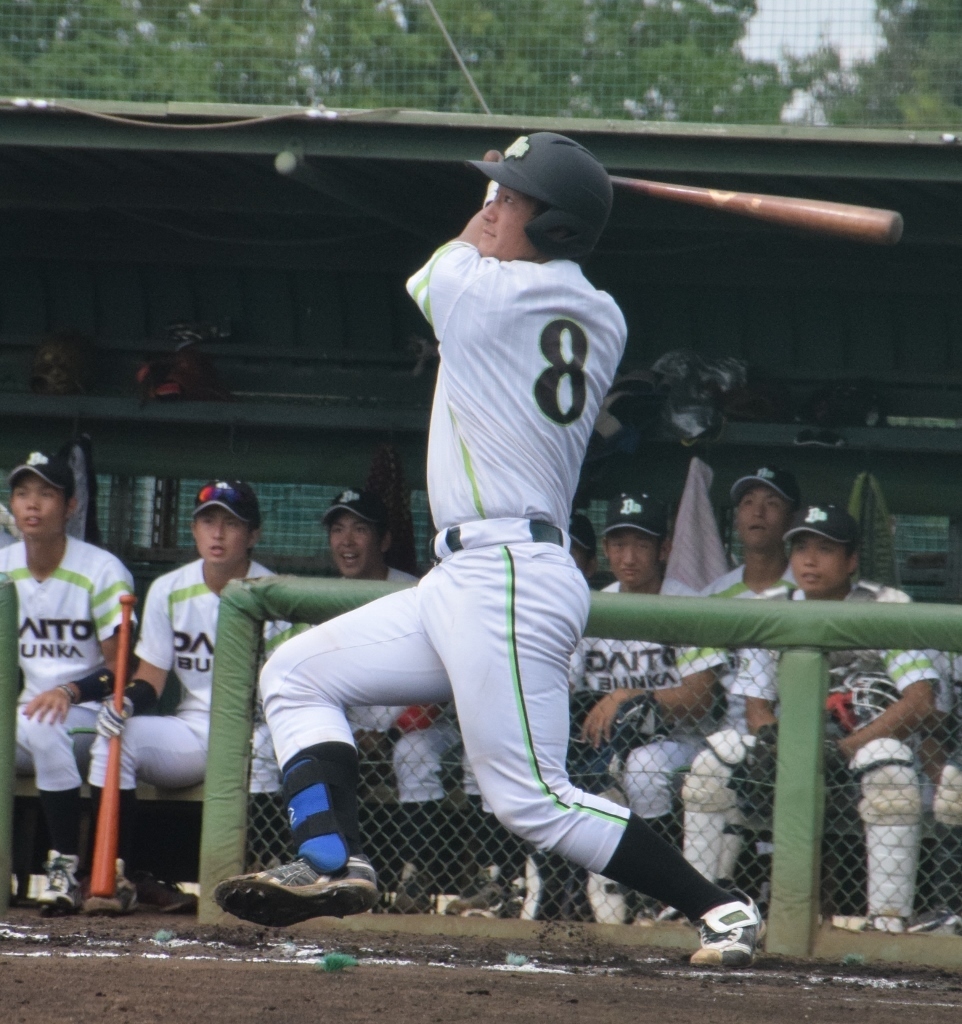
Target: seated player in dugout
764,503
495,623
637,720
69,612
878,706
177,635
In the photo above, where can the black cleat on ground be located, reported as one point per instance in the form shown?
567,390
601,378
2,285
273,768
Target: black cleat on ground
296,892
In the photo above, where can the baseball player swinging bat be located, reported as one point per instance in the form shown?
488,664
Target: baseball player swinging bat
843,220
103,871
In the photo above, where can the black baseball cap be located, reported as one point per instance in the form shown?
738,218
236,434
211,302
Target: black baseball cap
650,515
779,480
55,469
234,495
365,505
582,533
827,521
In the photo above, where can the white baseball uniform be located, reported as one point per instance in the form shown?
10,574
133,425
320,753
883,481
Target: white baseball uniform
528,352
380,718
63,621
178,633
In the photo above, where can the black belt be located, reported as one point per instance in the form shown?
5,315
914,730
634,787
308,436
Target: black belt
541,532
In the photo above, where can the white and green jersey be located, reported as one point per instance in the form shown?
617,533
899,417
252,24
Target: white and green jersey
732,584
527,353
179,630
605,665
758,670
63,620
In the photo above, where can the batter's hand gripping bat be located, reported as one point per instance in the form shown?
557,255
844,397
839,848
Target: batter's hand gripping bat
103,874
856,223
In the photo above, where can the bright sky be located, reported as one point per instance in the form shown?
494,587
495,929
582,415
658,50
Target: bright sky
798,26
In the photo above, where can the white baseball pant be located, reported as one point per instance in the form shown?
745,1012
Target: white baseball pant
169,751
162,750
493,627
57,754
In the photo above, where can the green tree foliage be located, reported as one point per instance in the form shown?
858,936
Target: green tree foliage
915,80
647,59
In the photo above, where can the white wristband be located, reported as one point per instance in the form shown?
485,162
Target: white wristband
491,193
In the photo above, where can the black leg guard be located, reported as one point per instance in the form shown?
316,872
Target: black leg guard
644,861
320,789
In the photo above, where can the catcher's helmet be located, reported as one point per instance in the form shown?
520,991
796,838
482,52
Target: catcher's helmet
871,693
561,173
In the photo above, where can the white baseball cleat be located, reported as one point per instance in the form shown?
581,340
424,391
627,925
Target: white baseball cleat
296,892
729,934
61,893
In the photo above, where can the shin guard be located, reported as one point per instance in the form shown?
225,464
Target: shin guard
321,797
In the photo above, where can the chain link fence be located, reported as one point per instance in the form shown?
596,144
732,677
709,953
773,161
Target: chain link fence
845,62
892,842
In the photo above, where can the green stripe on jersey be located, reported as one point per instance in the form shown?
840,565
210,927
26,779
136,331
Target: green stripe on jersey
17,574
468,466
73,577
185,594
523,710
120,587
103,618
421,289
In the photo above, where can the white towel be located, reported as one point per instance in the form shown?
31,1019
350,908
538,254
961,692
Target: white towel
697,553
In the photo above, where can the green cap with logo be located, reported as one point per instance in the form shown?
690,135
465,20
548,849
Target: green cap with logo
637,512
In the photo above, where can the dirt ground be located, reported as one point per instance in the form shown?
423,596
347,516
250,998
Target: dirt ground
149,968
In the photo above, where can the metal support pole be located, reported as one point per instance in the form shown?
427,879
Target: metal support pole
799,803
223,838
9,685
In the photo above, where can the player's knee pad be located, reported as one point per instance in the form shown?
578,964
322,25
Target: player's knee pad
706,787
317,834
891,793
948,796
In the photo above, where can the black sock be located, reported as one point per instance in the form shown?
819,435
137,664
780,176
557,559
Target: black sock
341,773
667,827
644,861
126,825
61,811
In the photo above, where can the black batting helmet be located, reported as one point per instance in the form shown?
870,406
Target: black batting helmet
562,174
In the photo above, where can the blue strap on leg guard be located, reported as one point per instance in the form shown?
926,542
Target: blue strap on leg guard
313,824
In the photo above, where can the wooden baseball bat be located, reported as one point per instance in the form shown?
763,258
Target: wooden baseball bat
856,223
103,873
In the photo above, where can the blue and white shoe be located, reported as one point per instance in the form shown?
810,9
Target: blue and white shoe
729,934
295,892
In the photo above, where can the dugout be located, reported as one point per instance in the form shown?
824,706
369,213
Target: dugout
118,219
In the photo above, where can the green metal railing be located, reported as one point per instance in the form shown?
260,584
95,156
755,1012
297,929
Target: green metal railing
805,632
